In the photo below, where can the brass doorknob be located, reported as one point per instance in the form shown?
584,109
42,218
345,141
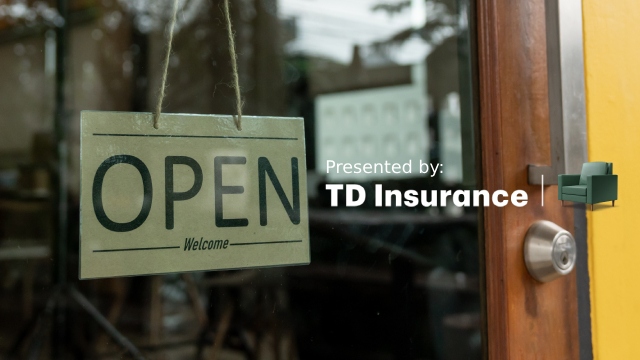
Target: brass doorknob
549,251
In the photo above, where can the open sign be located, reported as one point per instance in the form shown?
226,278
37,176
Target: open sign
195,194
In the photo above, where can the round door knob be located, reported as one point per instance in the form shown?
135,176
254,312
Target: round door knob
549,251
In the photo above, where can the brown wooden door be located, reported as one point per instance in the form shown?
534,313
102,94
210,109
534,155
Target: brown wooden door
525,319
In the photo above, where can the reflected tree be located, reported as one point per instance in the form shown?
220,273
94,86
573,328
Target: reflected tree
443,19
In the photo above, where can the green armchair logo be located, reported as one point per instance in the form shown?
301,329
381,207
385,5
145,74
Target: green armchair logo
595,184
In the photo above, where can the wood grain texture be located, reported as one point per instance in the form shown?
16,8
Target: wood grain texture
525,319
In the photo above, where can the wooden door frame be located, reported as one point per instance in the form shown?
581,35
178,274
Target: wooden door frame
524,319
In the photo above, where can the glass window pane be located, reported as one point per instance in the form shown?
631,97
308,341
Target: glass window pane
378,82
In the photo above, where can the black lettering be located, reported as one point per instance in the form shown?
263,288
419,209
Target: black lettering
171,196
264,167
221,190
226,243
187,243
98,207
218,244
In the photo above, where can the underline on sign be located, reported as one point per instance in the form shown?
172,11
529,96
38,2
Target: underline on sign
199,136
267,242
137,249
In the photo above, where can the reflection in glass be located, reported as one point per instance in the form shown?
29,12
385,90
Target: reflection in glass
375,81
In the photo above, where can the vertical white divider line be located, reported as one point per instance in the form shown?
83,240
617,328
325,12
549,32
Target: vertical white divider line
542,187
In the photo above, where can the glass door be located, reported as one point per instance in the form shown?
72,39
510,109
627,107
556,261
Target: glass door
378,82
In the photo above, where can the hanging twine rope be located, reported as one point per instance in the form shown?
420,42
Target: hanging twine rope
163,84
234,66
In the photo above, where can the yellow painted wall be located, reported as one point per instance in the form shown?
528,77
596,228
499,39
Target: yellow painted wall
612,67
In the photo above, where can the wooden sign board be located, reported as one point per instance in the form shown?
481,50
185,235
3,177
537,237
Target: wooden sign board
195,194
